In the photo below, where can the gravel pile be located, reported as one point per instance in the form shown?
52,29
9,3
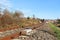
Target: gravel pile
42,35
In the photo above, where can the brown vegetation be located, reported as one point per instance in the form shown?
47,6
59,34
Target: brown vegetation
10,20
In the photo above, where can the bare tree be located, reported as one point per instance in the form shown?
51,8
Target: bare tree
7,18
18,14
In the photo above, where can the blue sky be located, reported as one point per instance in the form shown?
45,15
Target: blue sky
47,9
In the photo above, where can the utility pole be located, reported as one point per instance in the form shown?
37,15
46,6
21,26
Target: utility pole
33,16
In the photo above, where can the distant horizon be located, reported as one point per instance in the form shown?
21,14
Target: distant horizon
45,9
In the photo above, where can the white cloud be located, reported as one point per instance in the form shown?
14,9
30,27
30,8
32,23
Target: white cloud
5,4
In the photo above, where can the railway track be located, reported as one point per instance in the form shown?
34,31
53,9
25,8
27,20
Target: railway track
12,33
